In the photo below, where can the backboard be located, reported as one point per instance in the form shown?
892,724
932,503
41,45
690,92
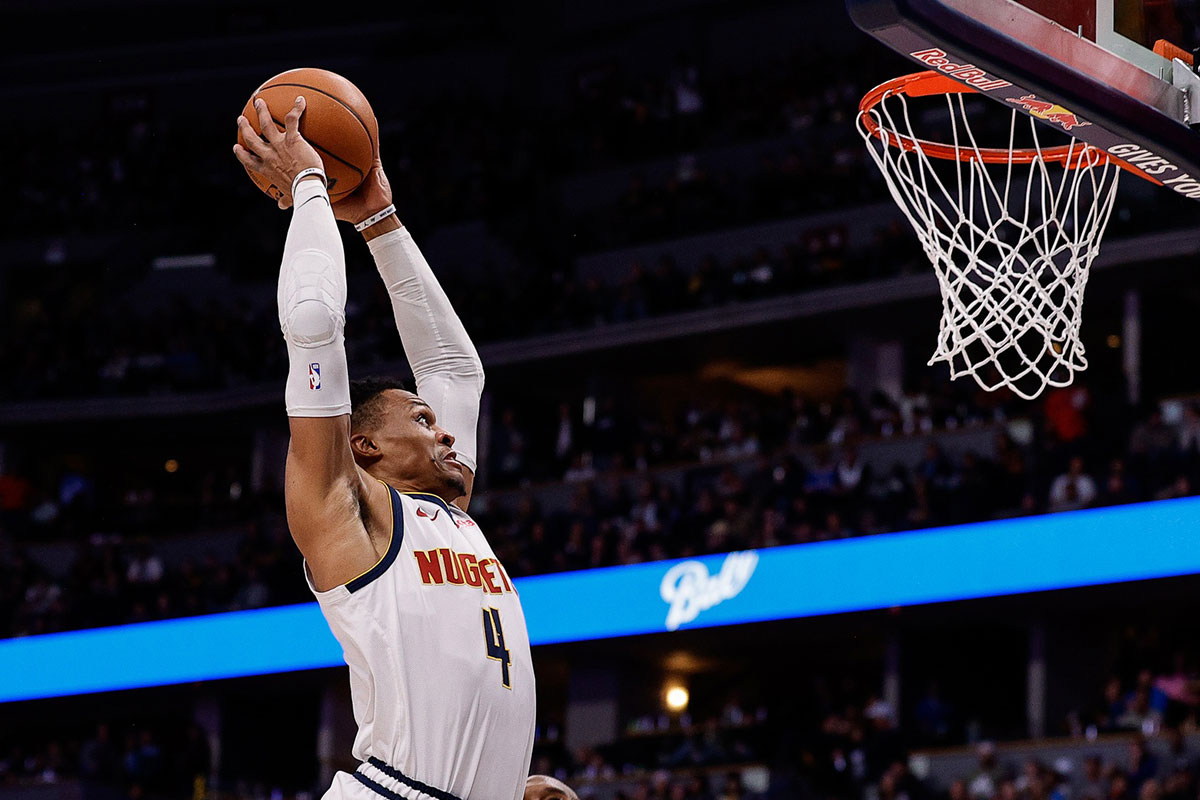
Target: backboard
1086,67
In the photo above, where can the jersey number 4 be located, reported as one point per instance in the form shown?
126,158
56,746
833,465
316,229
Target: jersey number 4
493,637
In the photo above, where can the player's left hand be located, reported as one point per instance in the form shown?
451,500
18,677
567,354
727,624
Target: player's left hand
278,155
374,195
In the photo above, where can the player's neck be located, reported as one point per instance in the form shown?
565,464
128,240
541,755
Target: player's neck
408,486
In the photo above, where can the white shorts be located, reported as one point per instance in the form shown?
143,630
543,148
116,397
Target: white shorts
347,786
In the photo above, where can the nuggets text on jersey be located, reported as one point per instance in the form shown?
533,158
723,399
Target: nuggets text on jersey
443,565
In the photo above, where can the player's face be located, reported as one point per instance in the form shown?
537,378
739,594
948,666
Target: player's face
419,451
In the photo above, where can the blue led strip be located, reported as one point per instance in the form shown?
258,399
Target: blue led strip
228,645
1058,551
987,559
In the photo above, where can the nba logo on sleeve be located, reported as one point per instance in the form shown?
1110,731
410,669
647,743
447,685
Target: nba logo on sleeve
314,376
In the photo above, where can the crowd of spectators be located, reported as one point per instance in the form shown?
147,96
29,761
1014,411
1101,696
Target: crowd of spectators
784,471
604,434
115,762
841,749
859,753
664,754
462,155
1152,688
74,331
839,740
645,483
615,117
469,156
862,752
694,198
1140,775
81,336
114,581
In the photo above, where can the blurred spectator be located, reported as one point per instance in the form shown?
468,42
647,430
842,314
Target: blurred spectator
1180,487
1073,489
1119,487
933,717
144,567
1143,767
985,780
1189,431
1090,784
1179,686
1066,408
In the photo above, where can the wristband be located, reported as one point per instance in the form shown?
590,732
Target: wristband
371,220
304,173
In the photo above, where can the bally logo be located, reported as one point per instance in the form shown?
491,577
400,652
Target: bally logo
314,376
689,588
443,565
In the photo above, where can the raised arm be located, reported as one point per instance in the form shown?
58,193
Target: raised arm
329,499
443,360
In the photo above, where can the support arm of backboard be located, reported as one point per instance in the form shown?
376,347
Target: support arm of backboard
1187,81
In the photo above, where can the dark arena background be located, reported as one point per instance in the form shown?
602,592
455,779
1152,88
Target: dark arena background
764,550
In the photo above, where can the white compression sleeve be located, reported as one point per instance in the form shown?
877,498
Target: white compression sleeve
312,307
440,353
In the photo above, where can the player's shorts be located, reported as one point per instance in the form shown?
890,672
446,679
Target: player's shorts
378,781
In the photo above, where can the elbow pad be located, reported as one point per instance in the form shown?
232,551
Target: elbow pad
312,302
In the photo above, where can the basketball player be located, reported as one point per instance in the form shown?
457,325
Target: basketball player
377,485
543,787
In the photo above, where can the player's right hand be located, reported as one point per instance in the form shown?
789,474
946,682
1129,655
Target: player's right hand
374,195
278,155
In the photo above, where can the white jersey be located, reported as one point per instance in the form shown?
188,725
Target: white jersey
441,678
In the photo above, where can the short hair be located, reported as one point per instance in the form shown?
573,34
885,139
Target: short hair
365,408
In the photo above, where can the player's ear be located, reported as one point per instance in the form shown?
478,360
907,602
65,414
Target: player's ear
364,447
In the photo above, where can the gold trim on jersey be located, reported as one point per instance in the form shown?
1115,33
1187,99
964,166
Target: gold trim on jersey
391,535
432,496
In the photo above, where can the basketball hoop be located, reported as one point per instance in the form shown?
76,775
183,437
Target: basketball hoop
1011,231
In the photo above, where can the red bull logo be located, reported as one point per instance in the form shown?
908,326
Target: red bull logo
1048,111
969,74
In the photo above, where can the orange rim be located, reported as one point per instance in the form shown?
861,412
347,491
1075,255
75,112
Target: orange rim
924,84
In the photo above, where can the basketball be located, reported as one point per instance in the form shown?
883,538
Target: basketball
338,122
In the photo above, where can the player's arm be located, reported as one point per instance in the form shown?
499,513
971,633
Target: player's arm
328,498
443,359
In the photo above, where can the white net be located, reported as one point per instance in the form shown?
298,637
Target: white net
1012,243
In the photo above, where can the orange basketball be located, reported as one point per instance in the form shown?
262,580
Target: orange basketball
338,122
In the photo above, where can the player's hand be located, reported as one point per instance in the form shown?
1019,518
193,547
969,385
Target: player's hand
371,197
278,155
